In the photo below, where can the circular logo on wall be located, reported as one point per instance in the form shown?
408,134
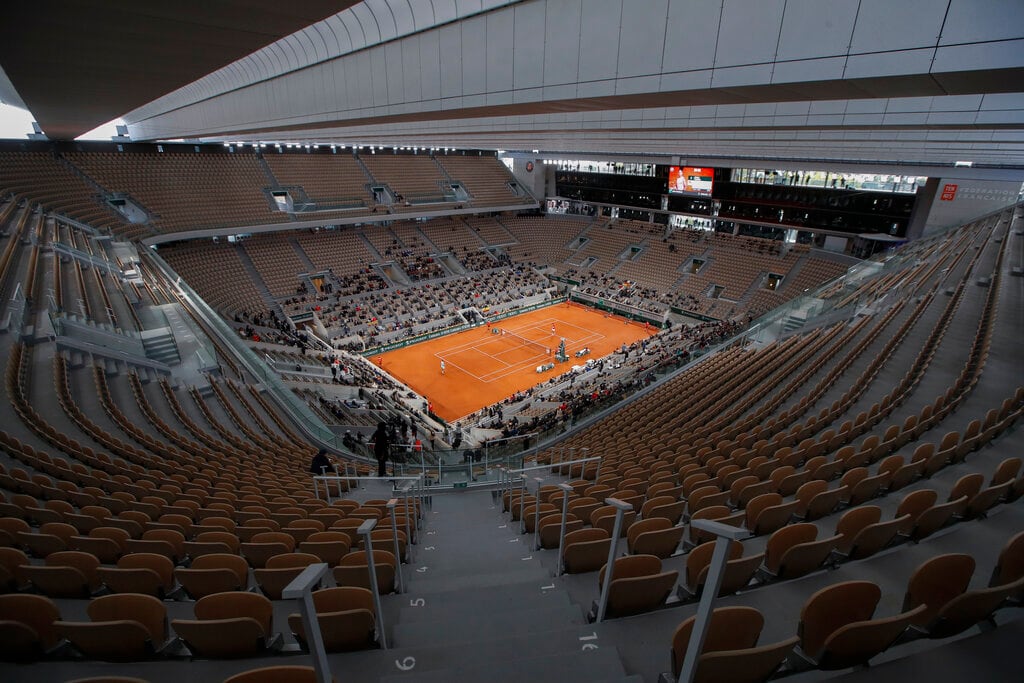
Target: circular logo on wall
529,167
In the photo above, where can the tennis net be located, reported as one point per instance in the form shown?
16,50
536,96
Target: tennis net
529,343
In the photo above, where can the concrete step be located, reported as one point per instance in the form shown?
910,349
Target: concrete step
594,666
483,626
441,582
460,604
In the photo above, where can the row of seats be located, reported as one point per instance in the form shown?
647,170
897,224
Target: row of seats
838,625
132,626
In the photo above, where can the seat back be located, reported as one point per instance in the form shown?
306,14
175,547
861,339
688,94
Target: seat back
854,644
967,609
276,674
937,581
833,607
750,664
699,559
117,641
804,558
145,609
730,628
36,614
636,594
936,517
222,638
917,502
784,539
853,521
236,604
875,537
1010,565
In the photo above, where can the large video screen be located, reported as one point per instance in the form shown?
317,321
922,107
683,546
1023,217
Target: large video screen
690,180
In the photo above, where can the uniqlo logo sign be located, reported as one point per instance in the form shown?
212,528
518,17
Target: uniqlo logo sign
948,192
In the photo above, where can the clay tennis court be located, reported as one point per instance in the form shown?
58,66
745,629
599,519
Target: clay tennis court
483,367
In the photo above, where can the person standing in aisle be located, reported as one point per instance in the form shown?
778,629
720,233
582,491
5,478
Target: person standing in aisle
381,448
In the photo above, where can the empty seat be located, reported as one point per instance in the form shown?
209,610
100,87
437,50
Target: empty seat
739,570
656,536
214,573
638,585
146,573
66,574
280,571
730,648
124,627
26,626
347,619
836,626
795,550
228,625
276,674
586,550
355,571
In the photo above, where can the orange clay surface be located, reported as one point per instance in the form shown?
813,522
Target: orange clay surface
482,368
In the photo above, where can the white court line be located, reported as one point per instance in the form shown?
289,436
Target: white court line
544,326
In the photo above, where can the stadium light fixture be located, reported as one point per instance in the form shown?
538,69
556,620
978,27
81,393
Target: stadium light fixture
964,164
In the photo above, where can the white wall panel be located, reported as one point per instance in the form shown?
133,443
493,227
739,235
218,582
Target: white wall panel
379,75
464,7
979,56
444,10
355,30
430,65
641,37
361,93
749,32
411,78
825,69
977,20
402,13
691,35
451,60
813,28
474,54
339,29
384,18
599,46
500,35
889,64
562,42
368,23
395,80
528,52
886,25
423,14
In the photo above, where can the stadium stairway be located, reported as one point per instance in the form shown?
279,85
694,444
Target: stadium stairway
480,606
